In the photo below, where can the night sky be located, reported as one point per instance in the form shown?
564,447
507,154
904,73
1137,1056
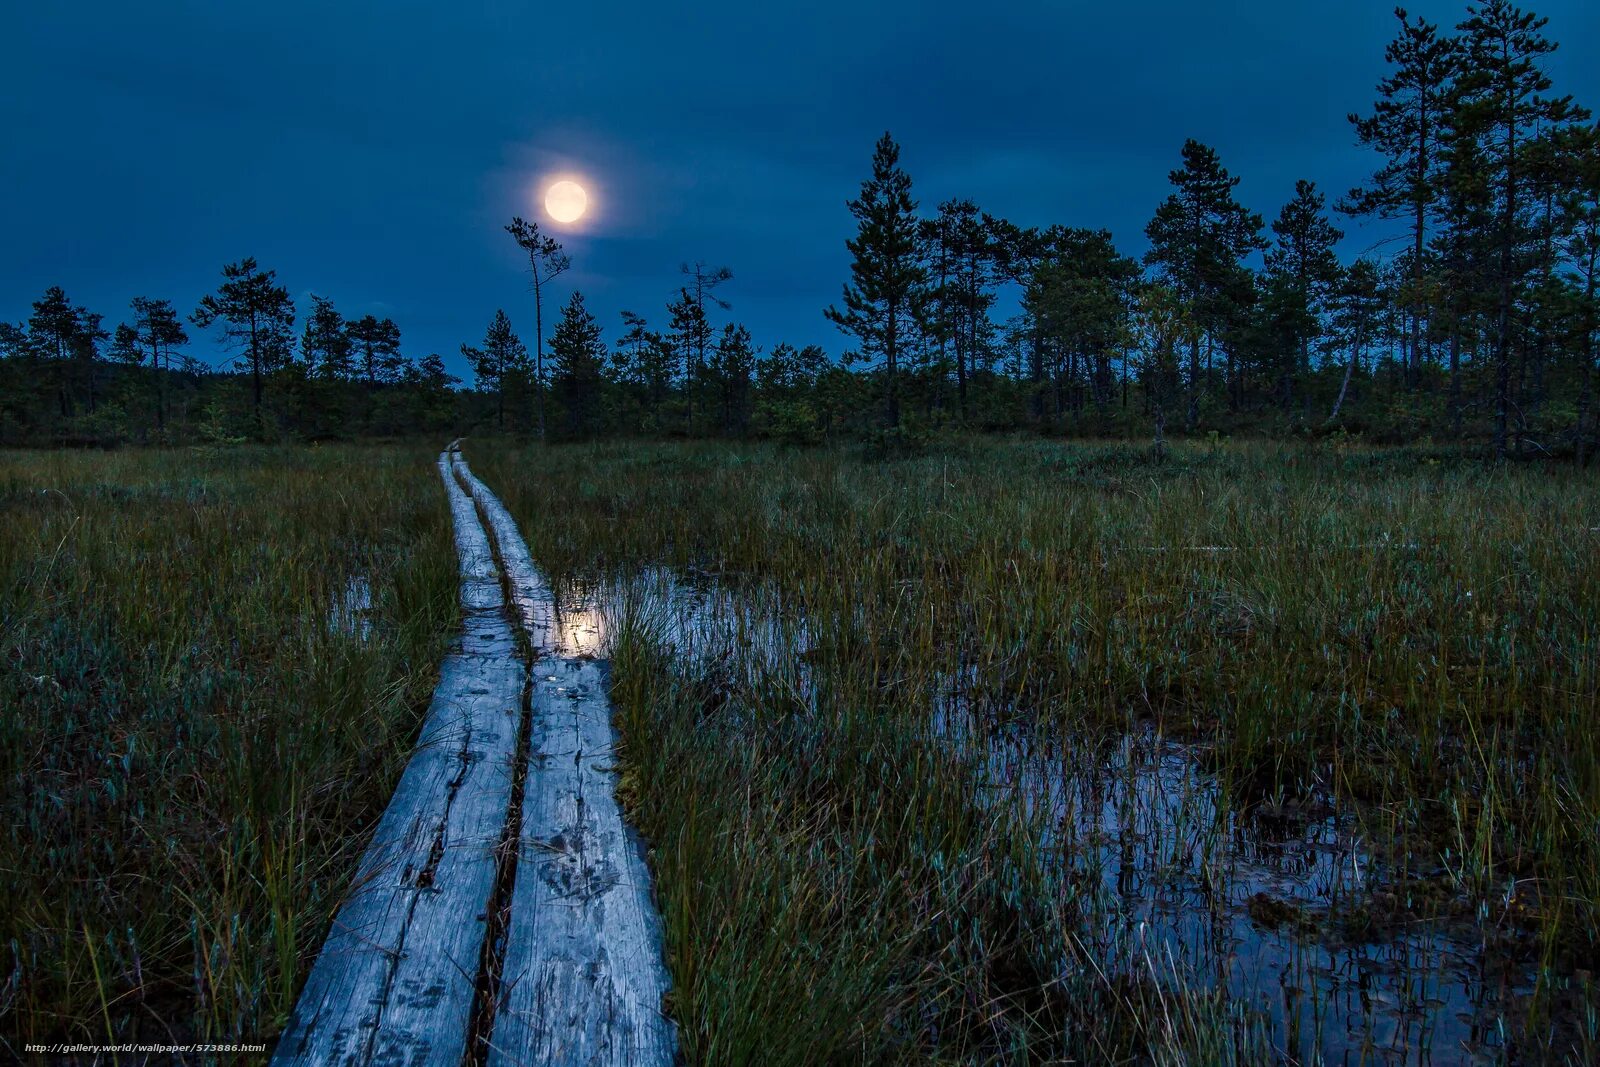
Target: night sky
371,153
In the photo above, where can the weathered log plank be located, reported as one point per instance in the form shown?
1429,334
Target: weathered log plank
583,977
396,977
530,593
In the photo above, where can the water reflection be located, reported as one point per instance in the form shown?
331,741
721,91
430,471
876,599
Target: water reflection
581,629
351,611
1275,905
1263,905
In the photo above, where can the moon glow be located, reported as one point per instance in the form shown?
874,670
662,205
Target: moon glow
566,201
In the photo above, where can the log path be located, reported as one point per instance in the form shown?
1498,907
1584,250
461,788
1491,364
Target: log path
502,913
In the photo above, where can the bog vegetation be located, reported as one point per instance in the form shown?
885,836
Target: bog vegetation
952,741
213,670
1017,751
1061,754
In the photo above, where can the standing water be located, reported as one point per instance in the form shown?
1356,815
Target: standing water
1282,906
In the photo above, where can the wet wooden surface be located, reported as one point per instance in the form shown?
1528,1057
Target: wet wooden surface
583,977
580,974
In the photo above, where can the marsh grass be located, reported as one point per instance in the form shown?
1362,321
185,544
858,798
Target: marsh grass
1409,636
196,740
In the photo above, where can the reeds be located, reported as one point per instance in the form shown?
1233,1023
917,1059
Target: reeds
1406,638
197,730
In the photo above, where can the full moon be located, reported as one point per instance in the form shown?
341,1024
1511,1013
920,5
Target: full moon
566,201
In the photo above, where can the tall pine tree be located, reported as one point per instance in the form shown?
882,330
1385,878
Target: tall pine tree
546,262
1502,107
375,345
499,364
1198,238
324,345
158,332
577,365
887,276
256,315
1407,124
1304,261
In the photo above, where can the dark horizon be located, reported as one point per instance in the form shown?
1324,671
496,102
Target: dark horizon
375,161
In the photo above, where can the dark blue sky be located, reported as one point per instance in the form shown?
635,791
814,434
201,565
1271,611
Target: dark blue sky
371,152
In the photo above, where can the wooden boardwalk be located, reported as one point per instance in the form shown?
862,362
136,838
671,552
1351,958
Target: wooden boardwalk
542,949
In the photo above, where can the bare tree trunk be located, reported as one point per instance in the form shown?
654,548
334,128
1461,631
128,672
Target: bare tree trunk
538,349
1349,368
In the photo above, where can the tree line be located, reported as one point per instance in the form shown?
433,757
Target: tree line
1478,324
65,378
1481,326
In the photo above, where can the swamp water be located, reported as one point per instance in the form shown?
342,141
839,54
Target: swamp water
1172,882
351,611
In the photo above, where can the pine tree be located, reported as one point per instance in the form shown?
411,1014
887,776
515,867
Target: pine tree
1407,125
434,396
430,371
786,392
1305,260
546,262
499,363
1358,302
937,321
887,277
1162,322
1198,237
1080,297
60,334
577,362
688,332
86,353
1502,107
324,344
702,280
13,340
375,344
1581,247
733,362
256,315
1461,248
960,257
1019,254
125,347
127,351
963,257
154,335
787,370
644,359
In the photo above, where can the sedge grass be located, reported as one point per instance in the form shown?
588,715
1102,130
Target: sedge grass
196,738
1412,635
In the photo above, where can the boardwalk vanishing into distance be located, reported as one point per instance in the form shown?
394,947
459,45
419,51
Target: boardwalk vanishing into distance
502,913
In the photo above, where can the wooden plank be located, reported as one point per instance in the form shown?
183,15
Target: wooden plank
583,976
397,975
530,593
